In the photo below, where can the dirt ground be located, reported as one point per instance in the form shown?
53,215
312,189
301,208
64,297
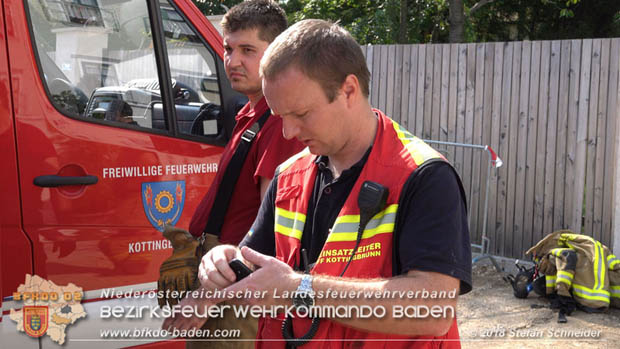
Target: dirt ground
491,317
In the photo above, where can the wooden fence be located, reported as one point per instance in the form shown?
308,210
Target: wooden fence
549,109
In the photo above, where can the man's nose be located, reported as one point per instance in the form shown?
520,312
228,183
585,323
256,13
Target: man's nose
290,129
232,59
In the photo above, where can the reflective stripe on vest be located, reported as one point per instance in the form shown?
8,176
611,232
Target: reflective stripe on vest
286,164
345,227
419,151
289,223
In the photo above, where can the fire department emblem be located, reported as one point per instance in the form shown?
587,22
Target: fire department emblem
163,202
35,320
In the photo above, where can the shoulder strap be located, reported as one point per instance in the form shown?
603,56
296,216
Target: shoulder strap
231,175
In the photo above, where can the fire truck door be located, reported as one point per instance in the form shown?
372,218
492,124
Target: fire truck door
107,141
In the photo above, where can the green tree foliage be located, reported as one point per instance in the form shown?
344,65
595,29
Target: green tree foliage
544,20
214,7
378,21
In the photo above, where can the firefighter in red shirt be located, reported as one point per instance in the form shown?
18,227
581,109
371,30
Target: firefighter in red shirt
227,211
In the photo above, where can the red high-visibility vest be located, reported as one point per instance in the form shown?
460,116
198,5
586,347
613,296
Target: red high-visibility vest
394,156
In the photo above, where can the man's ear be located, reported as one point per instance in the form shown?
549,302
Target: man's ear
351,88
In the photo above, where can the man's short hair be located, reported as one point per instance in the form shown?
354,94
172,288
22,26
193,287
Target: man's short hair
323,51
265,15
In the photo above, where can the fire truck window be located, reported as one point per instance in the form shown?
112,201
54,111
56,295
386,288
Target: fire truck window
98,61
194,74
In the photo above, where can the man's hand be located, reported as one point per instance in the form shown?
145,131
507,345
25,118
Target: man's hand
181,322
214,272
270,273
178,272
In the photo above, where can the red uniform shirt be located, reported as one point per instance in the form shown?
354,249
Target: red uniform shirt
268,150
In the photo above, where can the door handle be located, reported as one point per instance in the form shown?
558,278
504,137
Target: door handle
57,181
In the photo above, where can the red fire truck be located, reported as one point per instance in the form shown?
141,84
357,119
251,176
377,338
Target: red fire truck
113,114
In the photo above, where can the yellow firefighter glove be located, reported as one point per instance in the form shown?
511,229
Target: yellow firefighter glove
179,272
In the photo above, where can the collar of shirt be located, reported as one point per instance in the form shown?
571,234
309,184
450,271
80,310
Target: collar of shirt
322,162
257,111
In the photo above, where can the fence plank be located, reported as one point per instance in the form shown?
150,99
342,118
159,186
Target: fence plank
478,156
445,85
502,175
452,94
470,77
399,70
552,126
493,222
419,121
460,111
581,134
591,141
383,75
571,135
413,88
610,149
493,103
560,164
530,159
436,92
520,146
538,229
513,132
375,71
405,85
390,80
428,92
597,224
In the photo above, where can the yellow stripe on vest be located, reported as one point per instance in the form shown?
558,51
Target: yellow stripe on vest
286,164
289,223
345,227
419,151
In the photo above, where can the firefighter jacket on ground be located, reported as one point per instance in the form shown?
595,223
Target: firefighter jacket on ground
580,267
394,156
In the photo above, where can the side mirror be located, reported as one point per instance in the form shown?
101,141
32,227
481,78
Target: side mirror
98,113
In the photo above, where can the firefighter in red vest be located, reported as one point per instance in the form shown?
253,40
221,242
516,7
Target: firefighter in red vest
366,216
